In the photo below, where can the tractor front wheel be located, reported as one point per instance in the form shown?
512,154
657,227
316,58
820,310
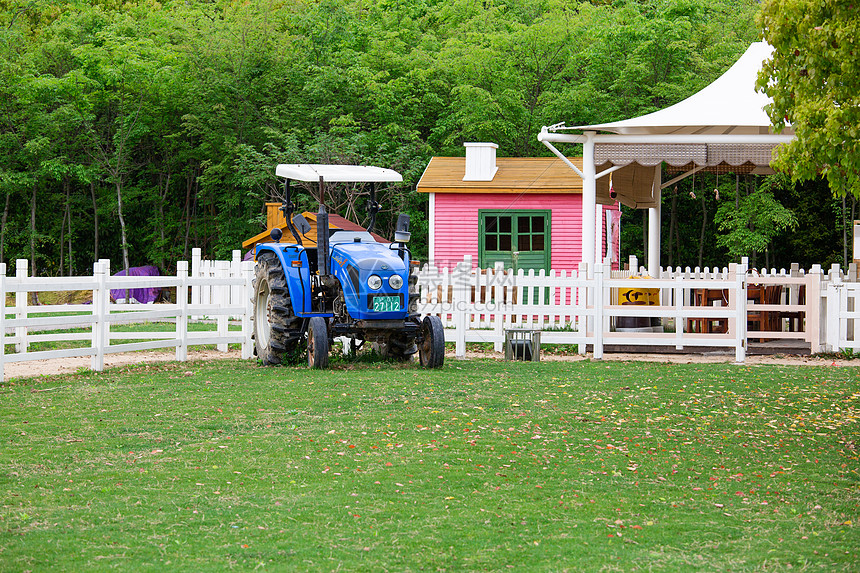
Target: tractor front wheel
318,345
431,351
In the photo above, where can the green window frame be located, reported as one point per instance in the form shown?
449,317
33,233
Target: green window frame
526,231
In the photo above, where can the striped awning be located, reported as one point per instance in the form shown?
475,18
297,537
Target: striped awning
704,154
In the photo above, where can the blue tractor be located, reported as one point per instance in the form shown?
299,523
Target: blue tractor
339,283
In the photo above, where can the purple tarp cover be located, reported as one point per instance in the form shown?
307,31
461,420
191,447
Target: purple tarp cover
140,295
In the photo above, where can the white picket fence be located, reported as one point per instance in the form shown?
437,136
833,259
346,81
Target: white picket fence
479,305
215,296
476,305
206,293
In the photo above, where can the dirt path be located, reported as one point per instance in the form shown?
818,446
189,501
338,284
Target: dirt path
71,365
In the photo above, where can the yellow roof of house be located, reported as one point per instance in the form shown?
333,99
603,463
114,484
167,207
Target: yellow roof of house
632,183
514,175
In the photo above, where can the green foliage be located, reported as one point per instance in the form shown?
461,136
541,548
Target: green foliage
814,80
818,239
182,109
751,224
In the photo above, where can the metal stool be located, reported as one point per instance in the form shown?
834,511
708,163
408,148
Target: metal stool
522,345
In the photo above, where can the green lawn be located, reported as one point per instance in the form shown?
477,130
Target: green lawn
482,465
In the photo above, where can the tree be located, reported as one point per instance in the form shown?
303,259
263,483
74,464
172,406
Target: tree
154,127
814,80
753,221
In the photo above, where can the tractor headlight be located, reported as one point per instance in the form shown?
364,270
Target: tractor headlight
374,282
395,281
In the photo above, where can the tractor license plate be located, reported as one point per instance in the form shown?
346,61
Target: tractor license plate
386,303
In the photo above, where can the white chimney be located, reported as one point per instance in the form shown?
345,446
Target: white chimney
480,161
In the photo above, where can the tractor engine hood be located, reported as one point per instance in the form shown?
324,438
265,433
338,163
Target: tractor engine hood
368,257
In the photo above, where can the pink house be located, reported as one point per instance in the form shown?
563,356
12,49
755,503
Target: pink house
525,212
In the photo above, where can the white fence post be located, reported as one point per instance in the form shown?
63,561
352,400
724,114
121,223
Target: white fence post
221,297
606,321
832,322
579,296
835,303
2,319
740,292
207,292
182,310
851,277
21,303
100,293
815,307
598,311
106,308
498,282
680,322
461,302
235,272
195,273
247,269
845,324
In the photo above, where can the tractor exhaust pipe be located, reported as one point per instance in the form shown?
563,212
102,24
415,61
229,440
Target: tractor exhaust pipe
322,235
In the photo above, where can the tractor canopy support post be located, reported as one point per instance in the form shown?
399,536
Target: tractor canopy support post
372,207
287,208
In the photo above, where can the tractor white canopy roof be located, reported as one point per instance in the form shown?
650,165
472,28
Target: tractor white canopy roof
337,173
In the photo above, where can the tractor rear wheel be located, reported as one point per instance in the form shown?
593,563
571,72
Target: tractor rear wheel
277,330
431,351
318,345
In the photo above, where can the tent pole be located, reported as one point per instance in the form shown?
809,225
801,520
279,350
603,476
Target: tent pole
560,155
589,201
598,233
654,224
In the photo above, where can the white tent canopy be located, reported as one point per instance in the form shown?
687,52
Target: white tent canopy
722,127
729,105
